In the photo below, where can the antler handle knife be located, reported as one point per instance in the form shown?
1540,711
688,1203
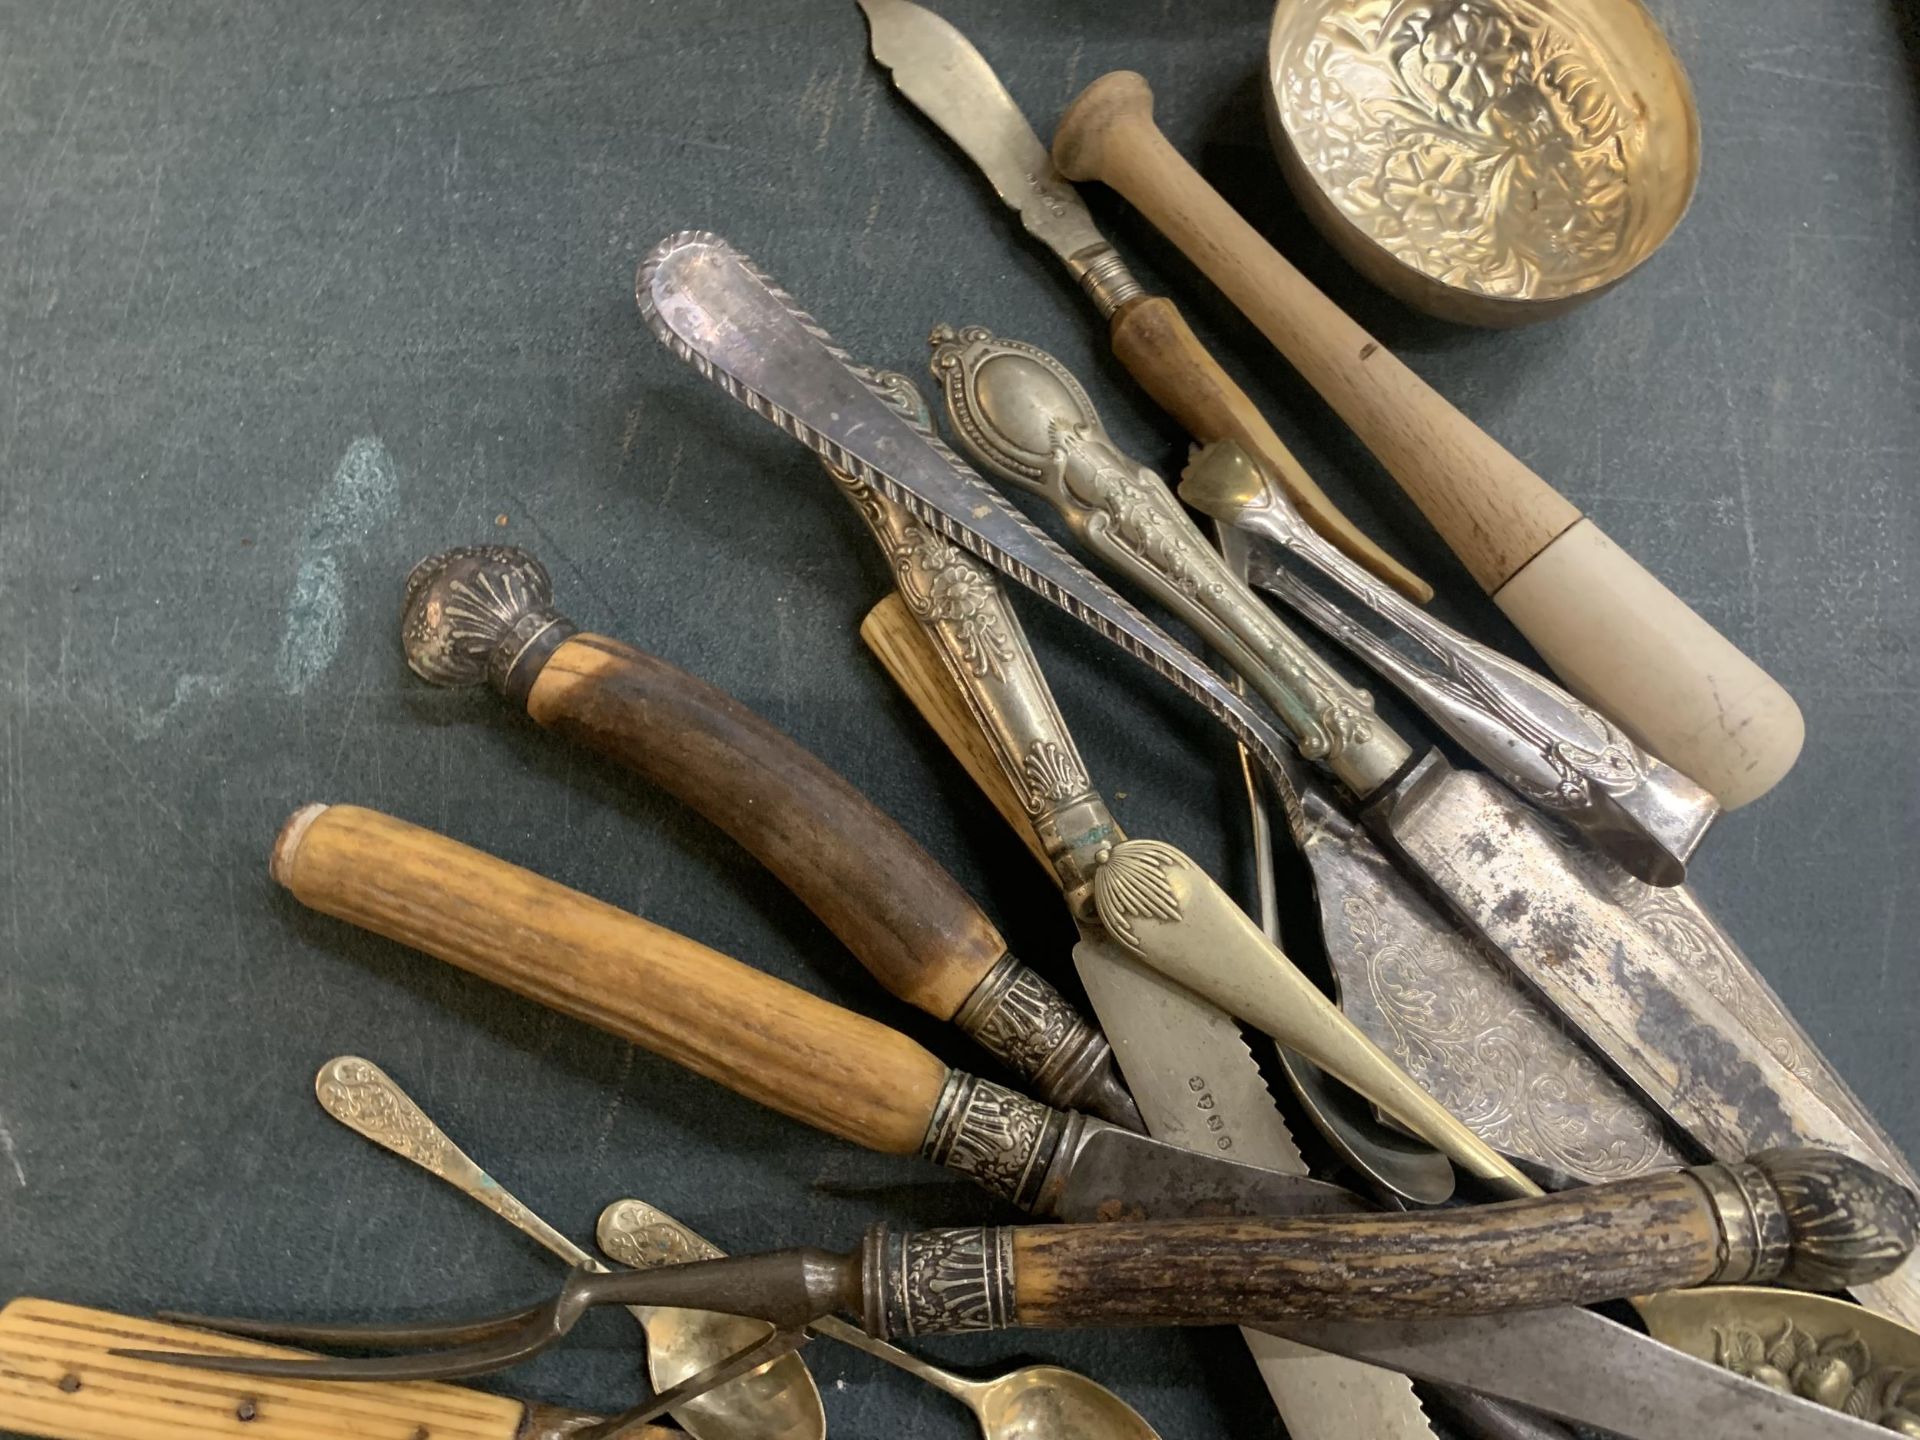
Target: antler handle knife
486,614
759,1036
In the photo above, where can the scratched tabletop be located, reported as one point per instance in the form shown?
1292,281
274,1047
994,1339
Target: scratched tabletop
293,294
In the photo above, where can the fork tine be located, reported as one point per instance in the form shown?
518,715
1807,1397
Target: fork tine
535,1331
418,1335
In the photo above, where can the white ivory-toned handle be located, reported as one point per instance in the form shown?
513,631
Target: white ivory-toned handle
1680,688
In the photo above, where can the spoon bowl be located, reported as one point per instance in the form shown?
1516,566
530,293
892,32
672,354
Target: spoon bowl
1047,1402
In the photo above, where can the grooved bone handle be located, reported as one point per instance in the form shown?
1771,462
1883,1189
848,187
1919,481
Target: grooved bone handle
58,1380
486,612
1170,913
1799,1217
760,1037
1023,417
1618,637
1152,339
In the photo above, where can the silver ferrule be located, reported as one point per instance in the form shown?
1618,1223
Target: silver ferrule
936,1282
1756,1241
1105,277
1001,1140
1022,1021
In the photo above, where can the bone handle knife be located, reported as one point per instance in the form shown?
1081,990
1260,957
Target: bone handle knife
59,1379
487,614
757,1035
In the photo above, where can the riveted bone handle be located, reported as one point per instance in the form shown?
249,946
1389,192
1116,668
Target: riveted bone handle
1791,1216
1154,342
1170,913
58,1379
871,883
759,1036
1616,635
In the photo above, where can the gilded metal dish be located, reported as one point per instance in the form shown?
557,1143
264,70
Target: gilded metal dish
1488,161
1814,1346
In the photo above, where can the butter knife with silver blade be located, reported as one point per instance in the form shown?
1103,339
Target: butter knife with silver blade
1185,1061
949,82
1494,861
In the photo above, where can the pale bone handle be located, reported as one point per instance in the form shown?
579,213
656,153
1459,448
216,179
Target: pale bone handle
1022,416
1170,913
1614,633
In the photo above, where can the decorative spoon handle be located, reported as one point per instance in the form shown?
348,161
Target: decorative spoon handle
365,1099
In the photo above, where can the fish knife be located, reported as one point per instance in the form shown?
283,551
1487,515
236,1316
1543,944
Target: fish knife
1499,866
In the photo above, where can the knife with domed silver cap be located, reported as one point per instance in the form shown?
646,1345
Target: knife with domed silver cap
1495,862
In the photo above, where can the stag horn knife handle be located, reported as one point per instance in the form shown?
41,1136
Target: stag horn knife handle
1023,417
1811,1218
60,1378
1616,635
486,613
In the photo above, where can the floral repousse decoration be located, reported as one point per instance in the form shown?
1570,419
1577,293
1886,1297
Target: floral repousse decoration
1837,1372
1473,139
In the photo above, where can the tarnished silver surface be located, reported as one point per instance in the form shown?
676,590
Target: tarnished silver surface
1022,416
999,1139
948,81
1444,1006
1631,997
1556,751
1580,1366
475,613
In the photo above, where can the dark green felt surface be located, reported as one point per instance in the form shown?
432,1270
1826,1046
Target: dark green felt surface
292,294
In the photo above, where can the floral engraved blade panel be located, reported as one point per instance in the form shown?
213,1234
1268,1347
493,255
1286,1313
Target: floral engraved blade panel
1485,143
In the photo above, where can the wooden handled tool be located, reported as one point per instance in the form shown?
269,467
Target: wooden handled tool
1615,634
57,1379
487,613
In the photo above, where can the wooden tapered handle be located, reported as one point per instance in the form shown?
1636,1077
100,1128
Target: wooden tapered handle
890,902
1152,339
1172,915
1494,511
58,1380
901,645
1619,638
758,1036
1798,1217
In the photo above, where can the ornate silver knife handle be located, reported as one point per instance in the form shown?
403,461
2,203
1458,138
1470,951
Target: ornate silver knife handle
1023,417
1555,750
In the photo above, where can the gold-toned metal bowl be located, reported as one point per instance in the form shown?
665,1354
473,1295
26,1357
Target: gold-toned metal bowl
1488,161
